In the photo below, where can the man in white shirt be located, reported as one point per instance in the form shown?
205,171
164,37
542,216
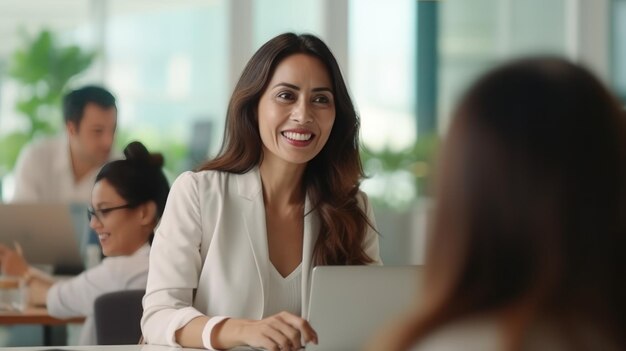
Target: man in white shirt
63,169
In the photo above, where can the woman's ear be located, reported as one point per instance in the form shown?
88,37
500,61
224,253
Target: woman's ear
148,213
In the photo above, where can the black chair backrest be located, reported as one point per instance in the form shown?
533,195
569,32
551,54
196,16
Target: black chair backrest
117,316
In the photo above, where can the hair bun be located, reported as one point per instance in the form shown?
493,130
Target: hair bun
136,151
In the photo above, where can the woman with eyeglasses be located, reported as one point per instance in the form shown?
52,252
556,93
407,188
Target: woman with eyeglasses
127,202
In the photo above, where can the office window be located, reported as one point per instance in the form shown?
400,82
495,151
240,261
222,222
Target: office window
476,35
165,62
618,48
24,20
381,75
381,51
273,17
382,70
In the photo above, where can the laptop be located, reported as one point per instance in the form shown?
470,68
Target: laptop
349,304
49,234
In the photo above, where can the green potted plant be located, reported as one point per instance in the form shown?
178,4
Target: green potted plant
401,197
42,67
415,163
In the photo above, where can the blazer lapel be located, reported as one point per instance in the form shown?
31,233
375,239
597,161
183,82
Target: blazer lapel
253,215
311,232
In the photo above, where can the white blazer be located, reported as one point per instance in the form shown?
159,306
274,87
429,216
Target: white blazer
210,255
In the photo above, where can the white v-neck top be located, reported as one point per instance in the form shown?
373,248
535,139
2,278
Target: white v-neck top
285,293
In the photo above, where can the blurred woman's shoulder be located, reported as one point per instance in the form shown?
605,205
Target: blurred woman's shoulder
486,333
470,334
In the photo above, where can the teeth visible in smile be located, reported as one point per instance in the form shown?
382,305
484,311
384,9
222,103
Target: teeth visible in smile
297,136
103,236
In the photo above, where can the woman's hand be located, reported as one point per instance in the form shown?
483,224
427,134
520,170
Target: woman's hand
283,331
12,261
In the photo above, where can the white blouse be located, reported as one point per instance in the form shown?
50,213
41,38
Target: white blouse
284,292
43,173
75,297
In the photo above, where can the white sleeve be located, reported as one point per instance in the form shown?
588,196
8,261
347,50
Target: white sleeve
75,297
175,265
26,171
370,242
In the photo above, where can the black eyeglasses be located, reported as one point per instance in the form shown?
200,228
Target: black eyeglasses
100,213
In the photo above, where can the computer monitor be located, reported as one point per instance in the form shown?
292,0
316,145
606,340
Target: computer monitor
49,234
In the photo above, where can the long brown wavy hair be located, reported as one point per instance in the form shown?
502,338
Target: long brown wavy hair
332,177
530,213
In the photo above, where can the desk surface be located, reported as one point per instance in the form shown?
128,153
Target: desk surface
113,348
34,315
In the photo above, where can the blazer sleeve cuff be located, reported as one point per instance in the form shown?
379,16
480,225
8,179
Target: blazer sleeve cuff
179,320
208,330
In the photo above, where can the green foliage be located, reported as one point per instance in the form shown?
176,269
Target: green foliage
174,151
10,146
417,161
43,68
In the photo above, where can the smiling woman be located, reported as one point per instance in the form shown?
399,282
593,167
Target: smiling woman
245,231
128,199
296,111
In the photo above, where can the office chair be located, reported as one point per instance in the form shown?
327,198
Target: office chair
117,316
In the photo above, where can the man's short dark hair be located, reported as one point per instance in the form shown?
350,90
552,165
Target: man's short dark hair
75,101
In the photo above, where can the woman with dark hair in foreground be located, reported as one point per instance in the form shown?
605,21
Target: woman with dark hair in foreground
527,244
